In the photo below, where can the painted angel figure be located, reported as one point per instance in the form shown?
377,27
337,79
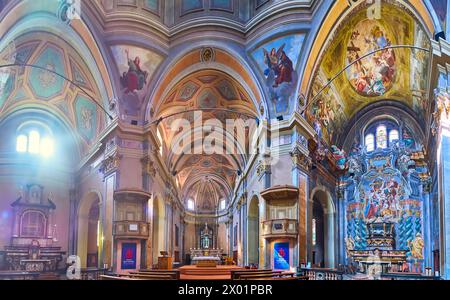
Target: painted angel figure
135,78
281,65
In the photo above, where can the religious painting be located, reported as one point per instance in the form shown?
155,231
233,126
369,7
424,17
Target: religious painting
277,61
281,256
419,66
371,71
381,194
86,116
374,75
128,261
235,235
136,66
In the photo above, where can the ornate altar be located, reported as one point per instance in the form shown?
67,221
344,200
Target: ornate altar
206,256
33,234
384,208
380,252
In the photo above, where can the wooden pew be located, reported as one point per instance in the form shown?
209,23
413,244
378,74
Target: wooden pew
110,277
238,273
172,275
151,277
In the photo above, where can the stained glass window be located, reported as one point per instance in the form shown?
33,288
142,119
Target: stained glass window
370,142
382,137
393,136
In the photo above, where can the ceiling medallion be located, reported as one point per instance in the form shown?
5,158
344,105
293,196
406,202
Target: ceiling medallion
207,54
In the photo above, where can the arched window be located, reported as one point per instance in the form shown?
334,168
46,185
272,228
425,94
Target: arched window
370,142
190,204
381,135
35,139
22,143
393,136
223,204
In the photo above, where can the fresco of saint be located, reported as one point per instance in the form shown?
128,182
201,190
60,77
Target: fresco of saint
135,79
373,75
277,60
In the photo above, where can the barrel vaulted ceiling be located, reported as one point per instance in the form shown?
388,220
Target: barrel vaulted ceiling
26,86
204,178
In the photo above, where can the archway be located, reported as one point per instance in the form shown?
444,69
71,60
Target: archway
158,228
89,230
93,235
253,231
321,233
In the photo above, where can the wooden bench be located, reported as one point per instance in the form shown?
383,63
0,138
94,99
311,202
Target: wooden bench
145,276
152,276
110,277
238,273
172,274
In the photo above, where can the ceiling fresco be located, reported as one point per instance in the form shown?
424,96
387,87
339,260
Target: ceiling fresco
32,85
204,89
136,67
277,62
388,74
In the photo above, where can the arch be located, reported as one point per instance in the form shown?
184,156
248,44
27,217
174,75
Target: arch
189,62
45,115
336,15
390,110
18,21
90,200
253,227
321,209
158,228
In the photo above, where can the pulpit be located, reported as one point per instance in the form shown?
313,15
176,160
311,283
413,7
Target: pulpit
165,261
33,235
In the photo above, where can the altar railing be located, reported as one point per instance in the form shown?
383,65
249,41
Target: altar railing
92,273
321,273
280,228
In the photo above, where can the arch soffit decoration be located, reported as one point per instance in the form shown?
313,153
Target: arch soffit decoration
325,43
73,43
331,23
186,68
395,111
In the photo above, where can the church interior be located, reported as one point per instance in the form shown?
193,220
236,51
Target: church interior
225,139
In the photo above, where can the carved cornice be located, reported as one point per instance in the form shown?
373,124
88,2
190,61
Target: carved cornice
110,163
263,165
300,159
148,166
